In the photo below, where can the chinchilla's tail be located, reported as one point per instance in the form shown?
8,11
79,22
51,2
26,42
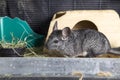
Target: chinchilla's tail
115,50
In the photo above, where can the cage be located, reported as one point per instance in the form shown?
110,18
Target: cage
38,14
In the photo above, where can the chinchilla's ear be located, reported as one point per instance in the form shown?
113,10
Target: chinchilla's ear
55,27
65,33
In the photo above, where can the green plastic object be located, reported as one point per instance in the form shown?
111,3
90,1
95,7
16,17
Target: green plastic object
21,30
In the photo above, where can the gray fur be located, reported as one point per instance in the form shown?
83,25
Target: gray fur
83,42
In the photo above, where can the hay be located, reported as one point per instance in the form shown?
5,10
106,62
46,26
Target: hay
79,74
104,74
39,52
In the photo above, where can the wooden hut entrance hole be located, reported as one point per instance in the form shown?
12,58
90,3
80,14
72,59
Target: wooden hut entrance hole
85,24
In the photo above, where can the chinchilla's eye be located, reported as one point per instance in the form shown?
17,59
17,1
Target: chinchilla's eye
55,41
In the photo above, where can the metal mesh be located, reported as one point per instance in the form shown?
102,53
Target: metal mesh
38,13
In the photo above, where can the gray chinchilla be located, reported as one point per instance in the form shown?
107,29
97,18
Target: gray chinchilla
83,42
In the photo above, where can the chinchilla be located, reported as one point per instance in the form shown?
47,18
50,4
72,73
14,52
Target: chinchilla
82,42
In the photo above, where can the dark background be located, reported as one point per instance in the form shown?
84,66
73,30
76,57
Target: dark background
38,13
